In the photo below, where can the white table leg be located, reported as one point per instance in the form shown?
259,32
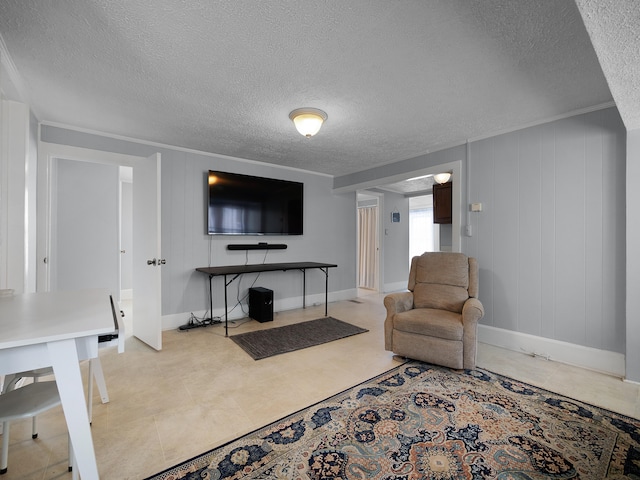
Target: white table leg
95,371
90,393
100,381
64,359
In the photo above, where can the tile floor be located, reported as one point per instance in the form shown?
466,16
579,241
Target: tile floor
202,390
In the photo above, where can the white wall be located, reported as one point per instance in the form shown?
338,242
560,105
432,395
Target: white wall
396,241
329,236
633,257
85,227
550,238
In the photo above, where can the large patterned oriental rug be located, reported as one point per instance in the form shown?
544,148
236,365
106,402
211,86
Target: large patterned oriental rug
419,421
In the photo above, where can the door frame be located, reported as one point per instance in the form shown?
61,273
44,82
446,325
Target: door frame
458,179
379,270
47,154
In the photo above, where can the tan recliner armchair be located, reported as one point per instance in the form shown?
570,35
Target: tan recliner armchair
436,321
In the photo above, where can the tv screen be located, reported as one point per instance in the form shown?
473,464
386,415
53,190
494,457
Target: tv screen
247,205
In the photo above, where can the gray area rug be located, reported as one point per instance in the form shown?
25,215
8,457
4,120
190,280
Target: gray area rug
274,341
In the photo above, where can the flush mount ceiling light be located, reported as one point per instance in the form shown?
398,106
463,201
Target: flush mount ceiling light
308,120
442,177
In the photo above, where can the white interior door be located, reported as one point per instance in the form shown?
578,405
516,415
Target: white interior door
147,262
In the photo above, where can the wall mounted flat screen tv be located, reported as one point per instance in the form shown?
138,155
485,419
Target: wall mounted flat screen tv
247,205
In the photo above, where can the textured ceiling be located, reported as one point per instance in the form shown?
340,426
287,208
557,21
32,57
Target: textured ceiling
397,79
614,27
422,184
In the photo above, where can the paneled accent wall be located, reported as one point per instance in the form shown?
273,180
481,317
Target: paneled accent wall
550,238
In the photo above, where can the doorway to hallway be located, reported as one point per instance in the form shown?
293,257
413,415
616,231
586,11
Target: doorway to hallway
368,242
424,235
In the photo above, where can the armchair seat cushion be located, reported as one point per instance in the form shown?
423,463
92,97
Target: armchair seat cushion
442,323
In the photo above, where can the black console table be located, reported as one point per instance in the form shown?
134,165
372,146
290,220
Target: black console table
236,270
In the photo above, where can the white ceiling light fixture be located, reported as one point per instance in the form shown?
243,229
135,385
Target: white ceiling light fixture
308,120
442,177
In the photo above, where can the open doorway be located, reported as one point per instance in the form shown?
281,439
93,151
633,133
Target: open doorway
413,184
85,226
424,235
368,238
75,244
91,225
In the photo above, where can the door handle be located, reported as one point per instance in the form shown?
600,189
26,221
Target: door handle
157,262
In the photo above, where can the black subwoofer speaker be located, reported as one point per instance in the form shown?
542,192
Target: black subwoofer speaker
261,304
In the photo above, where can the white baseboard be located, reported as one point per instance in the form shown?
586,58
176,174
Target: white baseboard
170,322
603,361
395,287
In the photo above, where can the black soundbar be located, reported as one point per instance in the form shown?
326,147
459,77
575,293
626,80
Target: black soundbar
257,246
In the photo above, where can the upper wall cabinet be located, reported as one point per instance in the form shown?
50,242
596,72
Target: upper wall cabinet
442,203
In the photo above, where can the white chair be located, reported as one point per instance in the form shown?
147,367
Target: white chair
11,382
25,402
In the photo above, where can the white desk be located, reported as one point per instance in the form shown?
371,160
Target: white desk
58,329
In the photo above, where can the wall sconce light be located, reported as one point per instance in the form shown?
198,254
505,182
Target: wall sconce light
442,177
308,120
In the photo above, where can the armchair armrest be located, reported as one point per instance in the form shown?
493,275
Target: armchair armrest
398,302
395,303
472,311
